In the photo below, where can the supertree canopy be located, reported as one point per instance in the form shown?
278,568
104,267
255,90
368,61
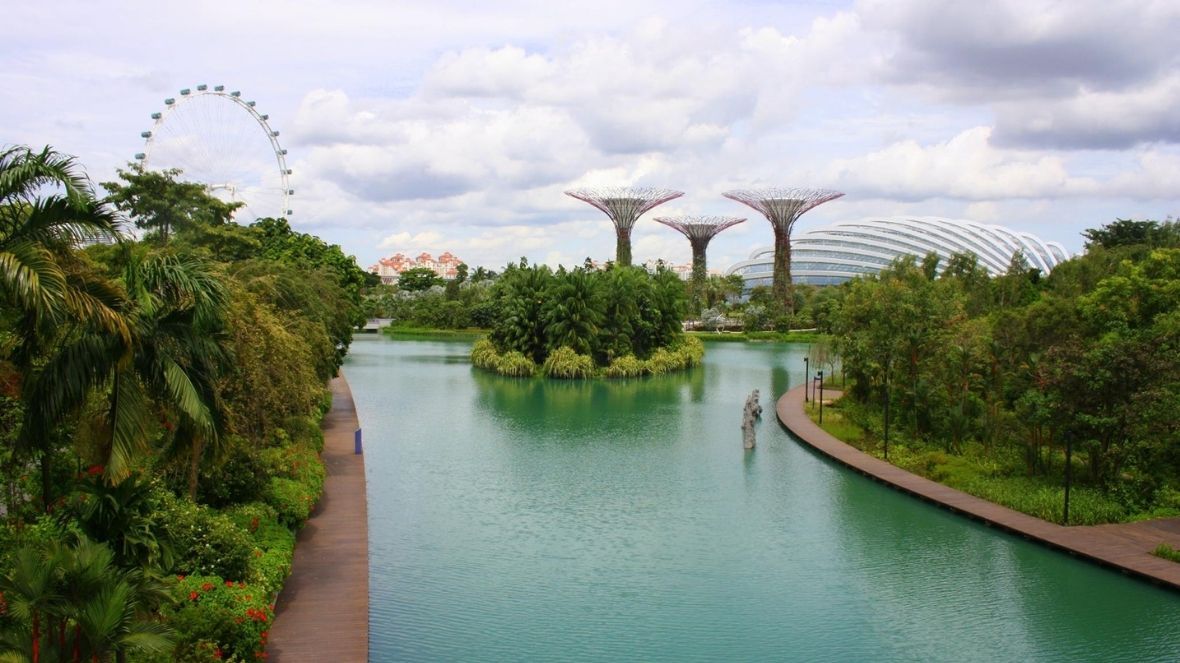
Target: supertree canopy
699,230
624,206
782,207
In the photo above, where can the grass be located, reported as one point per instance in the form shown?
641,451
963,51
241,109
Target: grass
1167,552
987,474
429,332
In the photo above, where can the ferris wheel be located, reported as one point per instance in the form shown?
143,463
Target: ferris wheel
218,139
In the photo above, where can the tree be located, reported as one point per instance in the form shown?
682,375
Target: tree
78,605
50,291
158,202
418,279
572,312
1126,232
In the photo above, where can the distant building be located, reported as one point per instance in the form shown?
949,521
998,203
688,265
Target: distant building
684,271
849,249
391,268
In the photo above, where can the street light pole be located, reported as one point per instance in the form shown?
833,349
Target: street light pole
806,377
887,399
1068,471
821,398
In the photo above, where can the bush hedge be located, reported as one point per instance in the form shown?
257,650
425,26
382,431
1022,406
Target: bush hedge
565,363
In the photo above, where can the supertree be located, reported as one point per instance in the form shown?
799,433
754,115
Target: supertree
624,205
699,230
782,207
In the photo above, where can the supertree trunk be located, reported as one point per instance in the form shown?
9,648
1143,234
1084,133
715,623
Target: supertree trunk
699,230
622,246
783,289
700,271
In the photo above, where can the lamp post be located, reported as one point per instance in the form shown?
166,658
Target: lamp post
887,399
1068,471
821,398
806,372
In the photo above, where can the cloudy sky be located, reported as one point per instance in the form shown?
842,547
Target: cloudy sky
456,126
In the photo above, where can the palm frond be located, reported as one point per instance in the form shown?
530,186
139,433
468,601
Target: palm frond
129,421
29,273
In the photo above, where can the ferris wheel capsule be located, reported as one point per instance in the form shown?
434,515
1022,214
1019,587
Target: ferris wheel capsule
156,116
202,87
169,101
140,156
145,134
219,88
185,92
235,93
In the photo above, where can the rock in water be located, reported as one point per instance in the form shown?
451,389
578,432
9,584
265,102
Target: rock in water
752,412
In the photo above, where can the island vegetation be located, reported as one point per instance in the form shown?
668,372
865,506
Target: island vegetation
161,401
984,383
585,322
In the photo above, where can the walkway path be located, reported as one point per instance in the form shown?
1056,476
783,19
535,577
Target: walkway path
323,611
1126,547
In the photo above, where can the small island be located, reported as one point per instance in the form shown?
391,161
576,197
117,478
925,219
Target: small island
616,322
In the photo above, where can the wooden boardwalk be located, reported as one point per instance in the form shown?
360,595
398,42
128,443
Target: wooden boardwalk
1126,548
323,611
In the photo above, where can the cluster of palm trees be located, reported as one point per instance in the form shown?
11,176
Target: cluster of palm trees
95,356
106,352
605,314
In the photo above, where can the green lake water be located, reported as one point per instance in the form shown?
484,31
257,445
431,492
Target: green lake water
532,520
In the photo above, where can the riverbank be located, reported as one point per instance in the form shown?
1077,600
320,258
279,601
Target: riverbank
1125,547
323,610
758,337
430,333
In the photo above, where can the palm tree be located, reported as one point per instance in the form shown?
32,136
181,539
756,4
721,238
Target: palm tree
47,210
78,604
174,308
571,313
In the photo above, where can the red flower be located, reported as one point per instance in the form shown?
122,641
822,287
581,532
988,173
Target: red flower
217,653
180,578
94,470
207,586
192,596
229,583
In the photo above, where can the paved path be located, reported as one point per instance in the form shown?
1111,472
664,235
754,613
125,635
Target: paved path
1126,547
323,611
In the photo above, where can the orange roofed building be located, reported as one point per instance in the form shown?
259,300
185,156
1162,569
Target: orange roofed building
389,269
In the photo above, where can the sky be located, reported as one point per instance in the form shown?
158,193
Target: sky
456,126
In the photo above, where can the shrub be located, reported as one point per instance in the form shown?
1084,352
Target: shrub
305,431
693,350
274,545
232,479
219,619
515,364
292,500
1167,552
484,355
295,462
204,542
565,363
628,366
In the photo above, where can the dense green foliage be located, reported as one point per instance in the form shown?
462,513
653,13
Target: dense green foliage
1003,371
196,357
577,323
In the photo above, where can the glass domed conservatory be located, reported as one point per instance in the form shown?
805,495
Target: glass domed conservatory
839,252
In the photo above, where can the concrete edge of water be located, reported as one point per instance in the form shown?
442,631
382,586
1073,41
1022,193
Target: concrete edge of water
1125,548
